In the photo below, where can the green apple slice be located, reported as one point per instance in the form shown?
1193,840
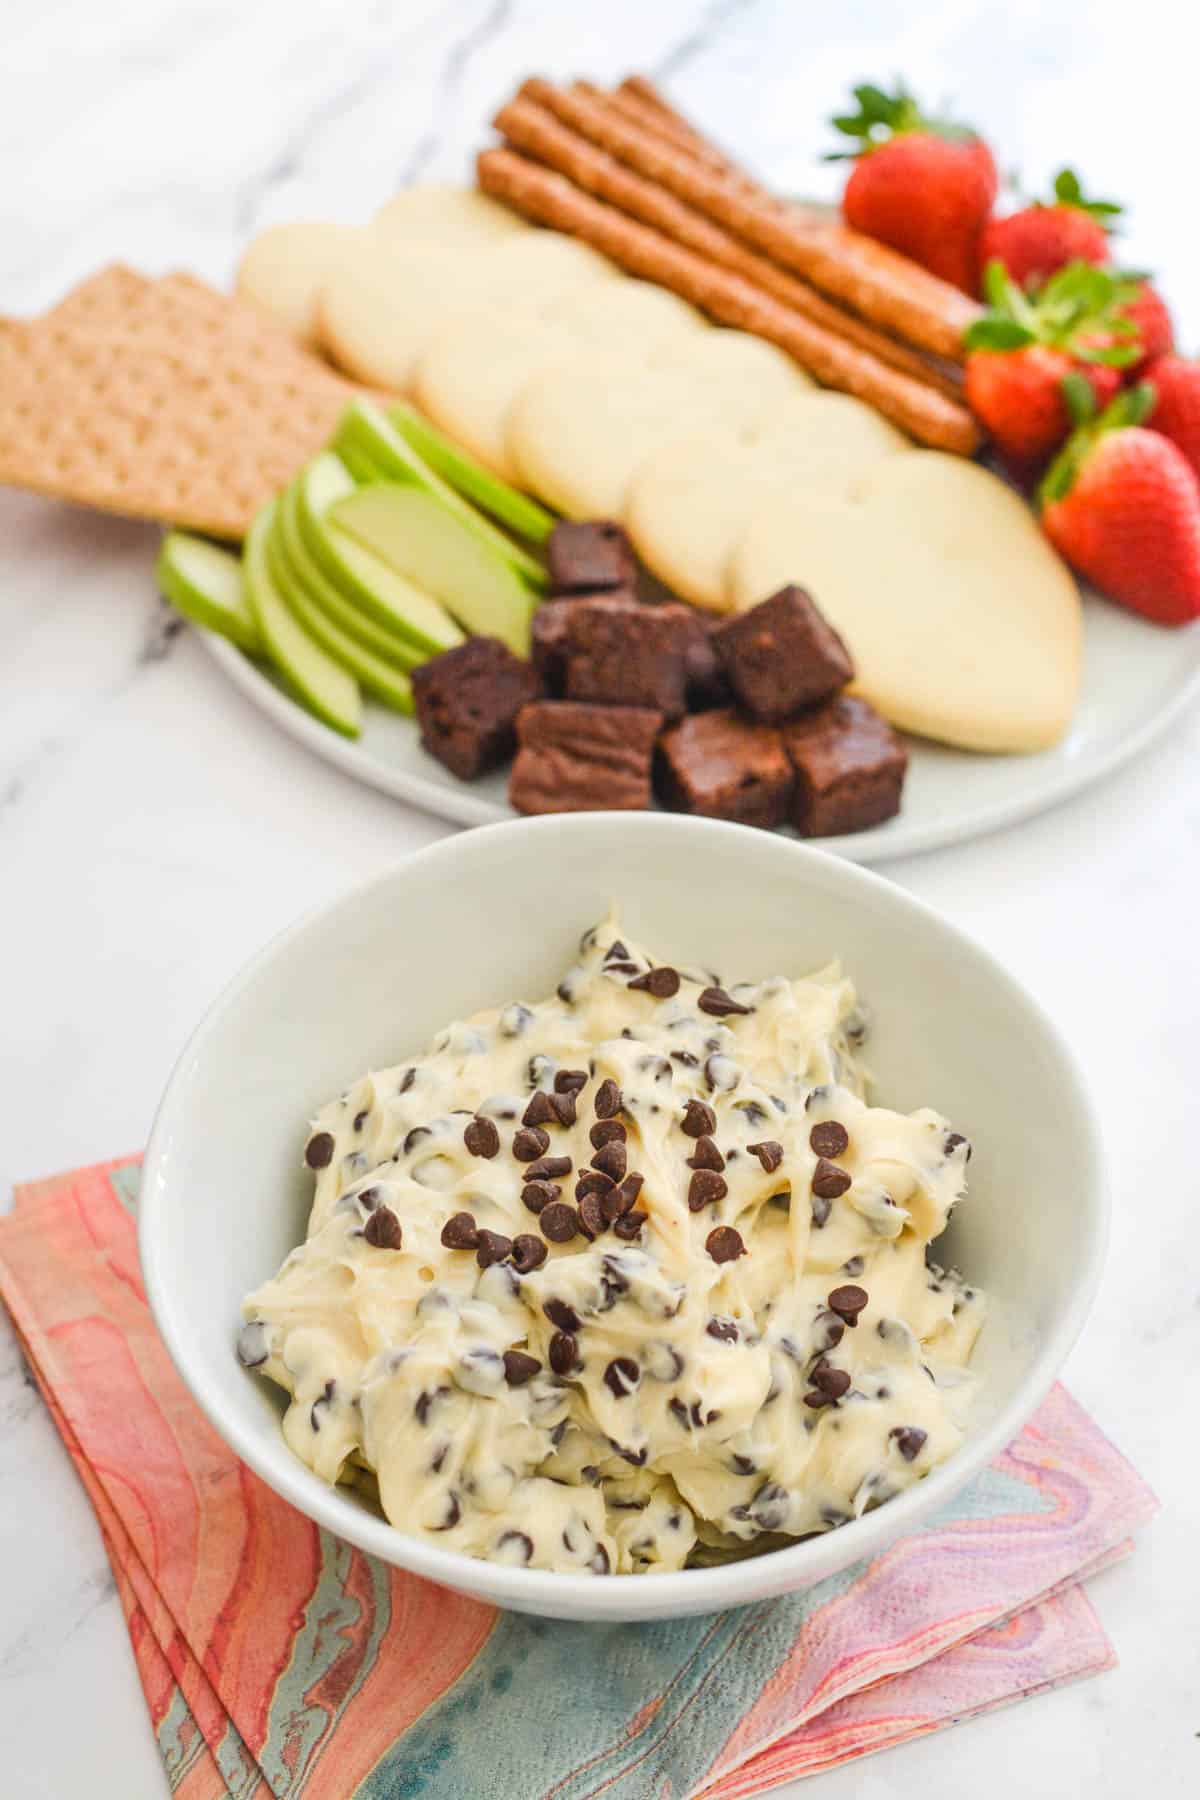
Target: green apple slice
321,684
378,677
413,532
380,589
204,583
368,428
506,503
385,641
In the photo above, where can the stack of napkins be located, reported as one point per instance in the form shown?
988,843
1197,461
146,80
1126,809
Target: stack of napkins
277,1661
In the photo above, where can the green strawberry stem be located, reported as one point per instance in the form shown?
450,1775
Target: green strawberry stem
1068,192
1132,406
882,115
1078,309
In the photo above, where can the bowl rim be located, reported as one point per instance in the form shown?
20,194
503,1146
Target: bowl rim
621,1596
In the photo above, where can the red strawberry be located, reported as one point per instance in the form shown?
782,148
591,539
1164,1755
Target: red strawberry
1122,506
924,186
1035,242
1176,413
1148,310
1023,349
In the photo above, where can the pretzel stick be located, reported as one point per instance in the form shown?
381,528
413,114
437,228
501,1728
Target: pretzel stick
644,94
549,198
872,280
642,112
536,131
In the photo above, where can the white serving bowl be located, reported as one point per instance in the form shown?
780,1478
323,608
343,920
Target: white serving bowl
494,915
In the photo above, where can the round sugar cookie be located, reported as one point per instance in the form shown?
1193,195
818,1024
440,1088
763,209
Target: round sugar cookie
283,268
454,217
579,429
963,623
690,501
469,376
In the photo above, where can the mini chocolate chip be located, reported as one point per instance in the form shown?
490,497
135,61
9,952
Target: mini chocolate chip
724,1244
724,1330
562,1314
627,1191
706,1156
569,1081
829,1181
828,1330
528,1252
318,1152
453,1514
564,1352
622,1376
492,1247
743,1465
323,1399
459,1233
360,1119
600,1563
426,1399
854,1266
847,1302
537,1194
519,1368
951,1142
685,1059
719,1004
817,1398
616,949
606,1131
482,1138
367,1198
559,1222
705,1186
610,1159
410,1075
382,1229
607,1103
592,1216
529,1143
680,1412
629,1225
548,1168
662,983
910,1440
563,1108
831,1381
540,1110
769,1154
518,1544
593,1181
829,1138
698,1120
414,1137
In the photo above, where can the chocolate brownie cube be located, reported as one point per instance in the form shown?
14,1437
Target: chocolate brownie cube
725,767
782,656
589,556
467,701
625,655
849,765
573,757
549,634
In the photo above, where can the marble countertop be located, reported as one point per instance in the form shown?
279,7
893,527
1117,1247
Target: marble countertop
154,829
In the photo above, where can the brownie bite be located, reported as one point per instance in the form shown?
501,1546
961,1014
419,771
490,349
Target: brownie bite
781,656
589,556
725,767
574,757
849,766
467,701
704,678
623,655
549,634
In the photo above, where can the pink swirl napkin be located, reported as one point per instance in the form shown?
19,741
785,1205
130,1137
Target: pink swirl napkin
277,1662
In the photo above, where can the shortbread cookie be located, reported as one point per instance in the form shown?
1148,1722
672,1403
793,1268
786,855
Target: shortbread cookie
578,431
456,218
690,501
283,269
962,622
470,375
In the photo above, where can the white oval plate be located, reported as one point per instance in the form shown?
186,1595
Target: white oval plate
1137,679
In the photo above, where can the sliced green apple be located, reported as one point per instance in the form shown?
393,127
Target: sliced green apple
385,641
379,588
368,428
410,530
508,504
378,677
320,683
204,583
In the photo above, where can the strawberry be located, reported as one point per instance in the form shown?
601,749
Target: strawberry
1148,310
922,185
1025,346
1176,413
1039,240
1122,505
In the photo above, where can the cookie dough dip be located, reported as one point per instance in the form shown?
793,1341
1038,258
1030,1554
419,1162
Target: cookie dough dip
627,1278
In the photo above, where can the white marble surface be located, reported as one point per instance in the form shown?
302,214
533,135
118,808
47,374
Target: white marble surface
154,830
